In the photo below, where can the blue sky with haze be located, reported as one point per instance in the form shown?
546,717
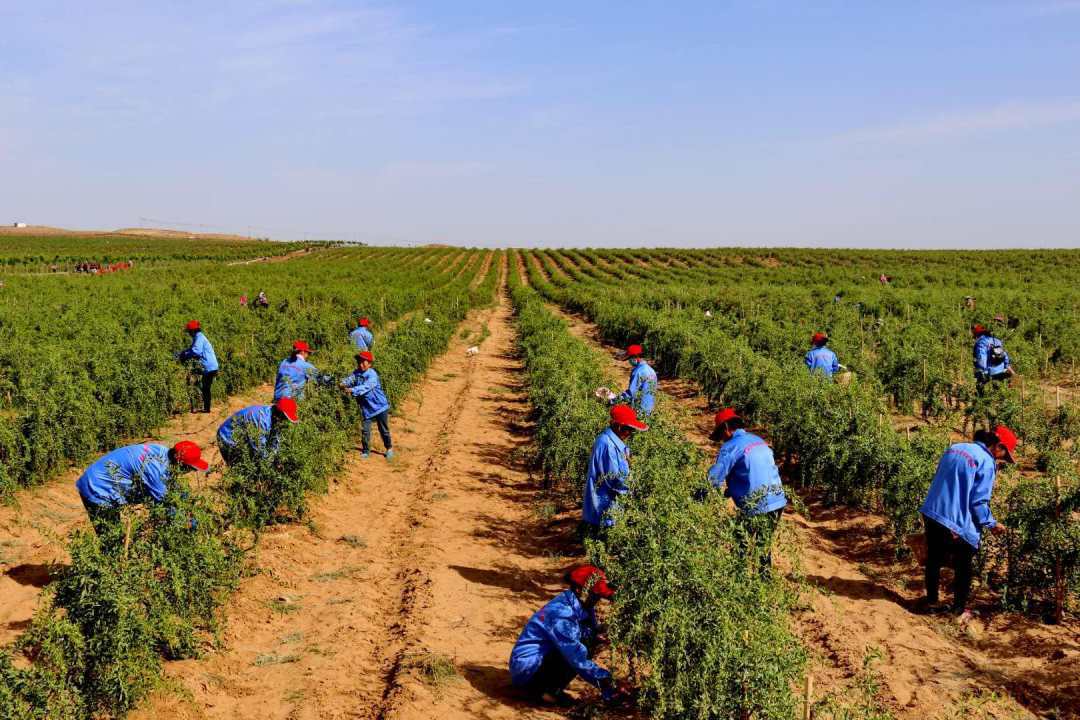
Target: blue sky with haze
875,124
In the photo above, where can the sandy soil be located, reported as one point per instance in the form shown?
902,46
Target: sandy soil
436,556
34,530
859,602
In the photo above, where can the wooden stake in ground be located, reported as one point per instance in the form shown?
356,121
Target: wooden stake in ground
808,696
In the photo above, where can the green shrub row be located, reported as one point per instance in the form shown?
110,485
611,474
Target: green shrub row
705,634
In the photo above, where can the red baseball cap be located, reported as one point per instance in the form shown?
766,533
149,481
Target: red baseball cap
364,322
592,578
287,407
188,453
365,355
818,337
301,346
1008,439
724,415
634,351
193,325
625,415
977,329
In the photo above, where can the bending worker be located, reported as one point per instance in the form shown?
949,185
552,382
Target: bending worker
990,359
364,385
640,393
957,510
559,639
265,423
820,358
746,468
133,474
203,351
361,337
609,472
293,372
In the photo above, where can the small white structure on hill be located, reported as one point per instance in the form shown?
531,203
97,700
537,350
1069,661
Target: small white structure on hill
19,224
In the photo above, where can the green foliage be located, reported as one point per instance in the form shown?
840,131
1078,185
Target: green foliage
693,613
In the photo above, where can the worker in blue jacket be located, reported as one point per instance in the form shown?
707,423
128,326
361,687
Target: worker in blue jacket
265,423
990,358
361,337
364,385
957,510
820,358
203,351
746,469
559,639
293,372
608,472
133,474
640,393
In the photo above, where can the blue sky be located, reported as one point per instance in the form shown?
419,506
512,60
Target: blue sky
872,124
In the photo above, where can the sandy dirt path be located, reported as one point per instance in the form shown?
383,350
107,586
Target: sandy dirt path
436,555
859,604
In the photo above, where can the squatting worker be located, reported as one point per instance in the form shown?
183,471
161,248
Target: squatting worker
559,639
133,474
640,393
990,359
265,422
957,510
364,385
293,372
609,471
745,467
820,358
361,337
203,351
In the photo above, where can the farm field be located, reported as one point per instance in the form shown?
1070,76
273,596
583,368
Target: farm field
326,585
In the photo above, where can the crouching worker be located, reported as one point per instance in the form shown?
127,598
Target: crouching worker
133,474
364,385
264,422
609,472
294,372
559,639
821,359
746,469
957,510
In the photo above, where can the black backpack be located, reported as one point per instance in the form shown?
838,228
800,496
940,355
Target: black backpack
995,355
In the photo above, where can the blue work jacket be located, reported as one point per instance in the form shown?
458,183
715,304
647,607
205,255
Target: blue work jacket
822,359
746,464
203,351
959,497
606,479
563,626
640,392
981,353
127,474
367,390
362,339
291,377
258,416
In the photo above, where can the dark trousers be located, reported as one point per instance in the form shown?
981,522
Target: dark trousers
981,381
553,675
758,532
206,383
102,517
940,546
383,421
